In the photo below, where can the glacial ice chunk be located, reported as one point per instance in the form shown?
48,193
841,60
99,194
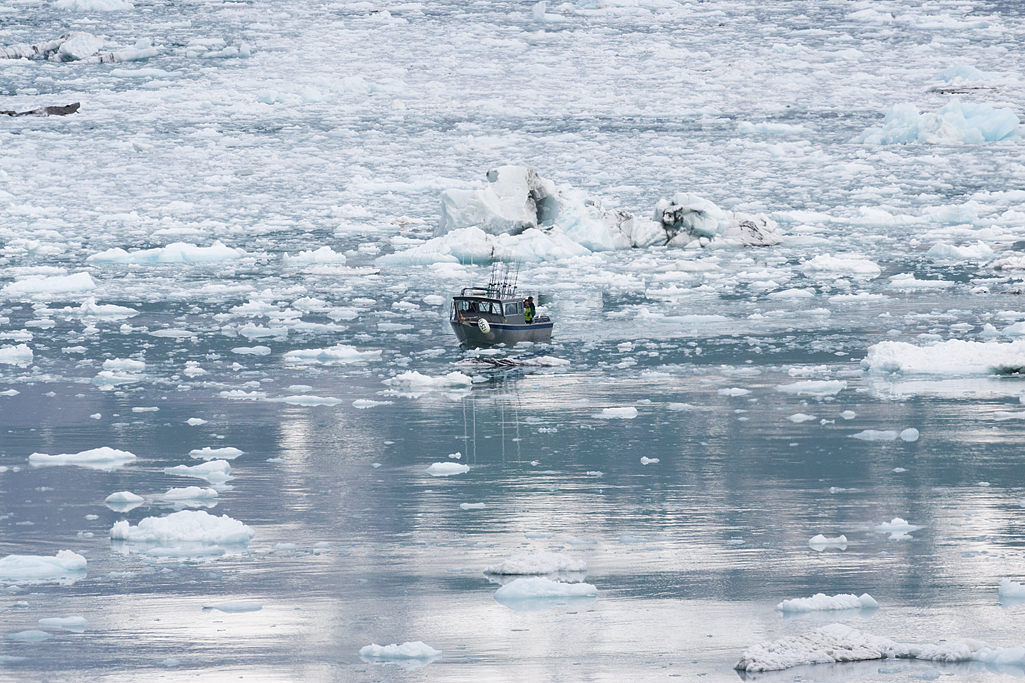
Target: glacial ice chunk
538,593
952,358
64,567
897,528
74,624
407,656
954,123
840,643
876,435
447,469
41,287
207,453
819,542
187,526
822,602
178,252
537,562
16,355
106,459
340,354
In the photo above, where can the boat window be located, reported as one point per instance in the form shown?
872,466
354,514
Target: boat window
510,309
465,305
496,308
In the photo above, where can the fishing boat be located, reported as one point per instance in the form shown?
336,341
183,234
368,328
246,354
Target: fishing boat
495,314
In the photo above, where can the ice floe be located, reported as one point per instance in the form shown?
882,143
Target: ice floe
341,354
826,387
898,529
409,656
537,562
820,542
954,357
217,472
840,643
74,624
123,501
190,496
876,435
16,355
104,458
234,606
208,453
447,469
186,526
65,567
823,602
44,287
538,592
179,252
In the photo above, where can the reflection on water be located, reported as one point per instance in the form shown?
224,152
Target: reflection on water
357,544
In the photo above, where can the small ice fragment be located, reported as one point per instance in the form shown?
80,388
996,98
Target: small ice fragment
648,461
170,661
446,469
234,606
734,391
472,506
876,435
848,414
363,403
73,624
898,470
30,636
897,528
594,473
96,416
207,453
909,434
123,497
195,421
820,542
679,406
801,417
626,413
408,655
455,456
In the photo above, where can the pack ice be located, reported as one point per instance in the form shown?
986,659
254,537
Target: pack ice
822,602
105,458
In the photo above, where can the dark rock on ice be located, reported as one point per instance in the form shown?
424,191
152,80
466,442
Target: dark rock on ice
45,111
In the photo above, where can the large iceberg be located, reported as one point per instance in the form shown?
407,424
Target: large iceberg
691,221
517,199
955,122
520,216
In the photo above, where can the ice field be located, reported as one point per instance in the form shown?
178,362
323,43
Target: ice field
238,438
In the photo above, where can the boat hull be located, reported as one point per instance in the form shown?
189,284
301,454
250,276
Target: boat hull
502,333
